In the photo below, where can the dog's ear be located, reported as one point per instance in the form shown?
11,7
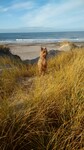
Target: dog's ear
46,50
41,48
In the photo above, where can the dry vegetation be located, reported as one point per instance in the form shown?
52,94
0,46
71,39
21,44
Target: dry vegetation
46,113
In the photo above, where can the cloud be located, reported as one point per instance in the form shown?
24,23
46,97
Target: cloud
22,5
54,14
17,6
3,9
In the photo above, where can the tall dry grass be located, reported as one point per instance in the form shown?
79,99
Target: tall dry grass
11,70
48,112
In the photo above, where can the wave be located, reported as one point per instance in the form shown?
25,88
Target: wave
37,40
33,41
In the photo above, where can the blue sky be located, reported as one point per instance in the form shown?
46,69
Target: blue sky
58,15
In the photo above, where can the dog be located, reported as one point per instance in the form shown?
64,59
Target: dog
42,62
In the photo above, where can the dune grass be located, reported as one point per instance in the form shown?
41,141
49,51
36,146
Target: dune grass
48,112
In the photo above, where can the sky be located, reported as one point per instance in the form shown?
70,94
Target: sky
54,15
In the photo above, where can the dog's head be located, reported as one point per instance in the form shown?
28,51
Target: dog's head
44,52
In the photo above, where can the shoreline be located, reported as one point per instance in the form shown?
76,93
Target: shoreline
28,51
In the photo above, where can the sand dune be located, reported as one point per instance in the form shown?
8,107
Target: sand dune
28,51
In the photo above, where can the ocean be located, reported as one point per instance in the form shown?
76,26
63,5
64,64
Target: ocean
41,37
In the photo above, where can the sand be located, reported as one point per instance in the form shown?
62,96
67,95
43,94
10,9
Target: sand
26,51
31,51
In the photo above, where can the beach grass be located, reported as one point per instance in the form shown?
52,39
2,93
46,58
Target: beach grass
46,112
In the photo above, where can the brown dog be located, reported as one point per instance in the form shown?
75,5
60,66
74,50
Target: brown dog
42,62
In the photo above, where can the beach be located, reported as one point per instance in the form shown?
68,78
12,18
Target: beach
31,51
28,45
